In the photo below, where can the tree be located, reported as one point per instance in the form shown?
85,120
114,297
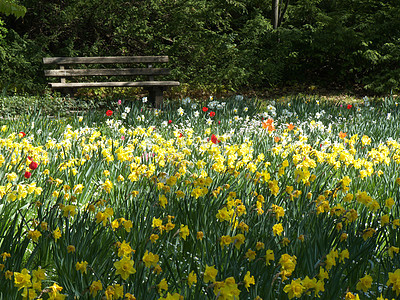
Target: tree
10,7
279,8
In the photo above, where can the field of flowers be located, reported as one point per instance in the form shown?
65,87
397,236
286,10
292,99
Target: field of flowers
227,199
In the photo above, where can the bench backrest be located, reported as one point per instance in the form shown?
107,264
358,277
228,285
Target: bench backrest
63,72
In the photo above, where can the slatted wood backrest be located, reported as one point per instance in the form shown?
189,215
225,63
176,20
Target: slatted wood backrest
63,72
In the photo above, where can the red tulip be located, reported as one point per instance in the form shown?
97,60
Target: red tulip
33,165
214,139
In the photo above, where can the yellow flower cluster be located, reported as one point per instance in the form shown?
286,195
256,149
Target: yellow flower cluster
181,196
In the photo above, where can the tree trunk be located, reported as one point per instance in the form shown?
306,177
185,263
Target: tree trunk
279,8
275,13
282,11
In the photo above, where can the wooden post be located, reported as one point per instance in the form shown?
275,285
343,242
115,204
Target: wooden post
62,79
159,96
156,96
65,91
151,78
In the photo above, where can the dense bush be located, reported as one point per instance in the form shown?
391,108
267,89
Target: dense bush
215,45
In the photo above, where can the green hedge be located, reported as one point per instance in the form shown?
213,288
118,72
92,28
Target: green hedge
213,45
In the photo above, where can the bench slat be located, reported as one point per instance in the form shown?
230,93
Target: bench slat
105,60
106,72
114,84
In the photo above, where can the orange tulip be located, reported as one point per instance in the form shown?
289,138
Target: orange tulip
342,135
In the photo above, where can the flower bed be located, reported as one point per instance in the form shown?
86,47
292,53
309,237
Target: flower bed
223,200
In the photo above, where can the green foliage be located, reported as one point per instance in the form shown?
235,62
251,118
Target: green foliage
20,65
49,105
214,45
10,7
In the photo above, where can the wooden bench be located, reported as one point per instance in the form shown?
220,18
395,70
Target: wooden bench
155,87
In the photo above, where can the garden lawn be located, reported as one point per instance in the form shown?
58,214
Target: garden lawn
227,199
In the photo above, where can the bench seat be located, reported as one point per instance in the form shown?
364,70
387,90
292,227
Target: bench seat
113,84
76,68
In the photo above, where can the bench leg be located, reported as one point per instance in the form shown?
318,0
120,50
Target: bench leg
156,96
67,91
